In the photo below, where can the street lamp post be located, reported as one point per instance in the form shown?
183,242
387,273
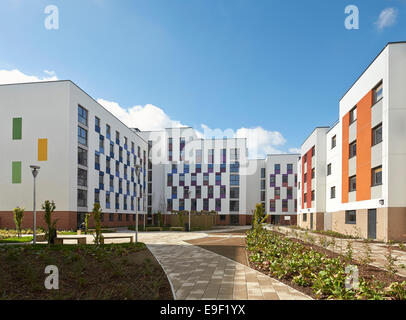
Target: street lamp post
137,171
35,171
189,193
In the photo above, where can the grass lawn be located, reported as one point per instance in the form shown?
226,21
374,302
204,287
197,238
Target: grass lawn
16,240
112,271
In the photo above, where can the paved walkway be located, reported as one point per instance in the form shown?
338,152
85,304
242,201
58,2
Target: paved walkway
378,250
196,273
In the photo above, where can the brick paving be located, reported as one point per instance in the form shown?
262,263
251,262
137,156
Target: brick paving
196,273
378,249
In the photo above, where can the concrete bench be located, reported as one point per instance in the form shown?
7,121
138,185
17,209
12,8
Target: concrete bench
177,229
80,240
120,237
153,229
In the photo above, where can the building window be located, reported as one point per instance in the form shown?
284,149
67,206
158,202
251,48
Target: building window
117,137
272,205
82,157
284,205
262,173
378,92
289,168
97,196
305,158
234,154
108,131
313,195
304,217
277,168
97,162
234,179
377,134
353,115
234,193
82,136
272,180
234,167
350,217
198,192
234,205
289,193
305,197
377,176
353,149
313,151
210,156
332,192
199,156
277,193
262,184
82,198
313,173
82,115
82,177
333,142
97,123
329,169
353,183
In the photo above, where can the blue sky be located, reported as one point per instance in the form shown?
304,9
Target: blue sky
281,66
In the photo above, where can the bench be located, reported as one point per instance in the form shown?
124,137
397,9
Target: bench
120,237
177,229
80,240
153,229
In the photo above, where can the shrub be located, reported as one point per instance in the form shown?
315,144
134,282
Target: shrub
397,290
49,208
97,212
18,219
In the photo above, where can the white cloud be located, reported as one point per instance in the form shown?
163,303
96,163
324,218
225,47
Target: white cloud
387,18
148,117
260,141
294,150
16,76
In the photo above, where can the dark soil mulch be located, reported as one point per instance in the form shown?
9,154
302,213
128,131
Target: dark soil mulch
119,272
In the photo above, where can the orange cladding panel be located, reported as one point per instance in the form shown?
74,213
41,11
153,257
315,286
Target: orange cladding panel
345,155
364,141
309,179
303,166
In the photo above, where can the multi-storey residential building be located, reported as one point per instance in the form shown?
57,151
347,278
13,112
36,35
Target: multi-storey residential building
196,174
281,188
85,154
365,172
313,180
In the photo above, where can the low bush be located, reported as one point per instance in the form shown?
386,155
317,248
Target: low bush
286,259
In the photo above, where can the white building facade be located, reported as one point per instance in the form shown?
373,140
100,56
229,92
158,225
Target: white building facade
85,154
365,153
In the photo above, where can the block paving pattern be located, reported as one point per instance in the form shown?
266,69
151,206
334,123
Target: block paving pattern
196,273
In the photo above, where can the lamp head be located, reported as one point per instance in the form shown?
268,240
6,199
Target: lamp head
34,170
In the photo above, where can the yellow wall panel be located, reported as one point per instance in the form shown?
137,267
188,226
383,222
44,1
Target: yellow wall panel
42,149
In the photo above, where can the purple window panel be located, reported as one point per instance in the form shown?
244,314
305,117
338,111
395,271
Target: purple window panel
222,192
218,179
218,204
272,180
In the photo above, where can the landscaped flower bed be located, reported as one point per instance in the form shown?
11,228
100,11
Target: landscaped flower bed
318,271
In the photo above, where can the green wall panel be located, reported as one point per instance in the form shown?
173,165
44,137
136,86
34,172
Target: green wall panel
16,172
17,128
